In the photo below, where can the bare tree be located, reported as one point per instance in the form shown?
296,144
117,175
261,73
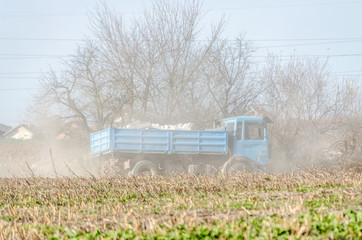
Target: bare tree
306,107
158,58
172,29
82,91
233,87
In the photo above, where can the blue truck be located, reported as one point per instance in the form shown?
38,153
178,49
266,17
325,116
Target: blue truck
235,144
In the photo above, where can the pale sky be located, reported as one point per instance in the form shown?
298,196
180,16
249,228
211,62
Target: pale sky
36,34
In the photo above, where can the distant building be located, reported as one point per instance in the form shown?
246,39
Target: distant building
23,132
71,130
3,129
257,110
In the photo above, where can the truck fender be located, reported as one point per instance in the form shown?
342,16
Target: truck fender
238,164
144,166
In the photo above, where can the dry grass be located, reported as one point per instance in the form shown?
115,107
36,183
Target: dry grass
304,205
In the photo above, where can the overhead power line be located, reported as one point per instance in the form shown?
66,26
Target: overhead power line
11,73
22,73
285,6
311,56
17,58
14,73
257,39
349,71
18,89
321,41
301,39
44,15
208,9
346,75
309,44
33,55
19,78
41,39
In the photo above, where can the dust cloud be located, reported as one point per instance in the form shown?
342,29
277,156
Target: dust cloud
48,156
317,152
45,158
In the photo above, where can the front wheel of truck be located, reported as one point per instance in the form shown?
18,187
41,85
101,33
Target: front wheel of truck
144,168
237,165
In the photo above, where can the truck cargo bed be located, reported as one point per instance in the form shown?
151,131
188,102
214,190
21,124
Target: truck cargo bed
213,142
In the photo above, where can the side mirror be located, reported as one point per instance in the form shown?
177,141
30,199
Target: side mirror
267,120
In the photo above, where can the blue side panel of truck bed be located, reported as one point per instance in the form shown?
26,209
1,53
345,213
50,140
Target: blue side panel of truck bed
100,141
159,141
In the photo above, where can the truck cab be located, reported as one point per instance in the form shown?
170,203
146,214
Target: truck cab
247,137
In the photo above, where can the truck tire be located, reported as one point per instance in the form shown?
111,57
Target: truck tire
235,165
144,167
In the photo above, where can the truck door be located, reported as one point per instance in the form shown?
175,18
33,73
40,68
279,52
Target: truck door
238,139
231,136
255,142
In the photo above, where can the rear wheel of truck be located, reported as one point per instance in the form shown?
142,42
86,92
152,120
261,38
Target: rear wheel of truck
144,167
237,165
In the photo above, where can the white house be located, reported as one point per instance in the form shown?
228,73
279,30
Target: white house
22,132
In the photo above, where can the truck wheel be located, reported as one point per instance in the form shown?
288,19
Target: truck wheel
144,167
235,165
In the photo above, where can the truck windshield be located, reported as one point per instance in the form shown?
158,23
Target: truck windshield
254,130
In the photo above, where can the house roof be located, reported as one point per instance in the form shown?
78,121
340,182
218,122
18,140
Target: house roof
4,128
28,127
